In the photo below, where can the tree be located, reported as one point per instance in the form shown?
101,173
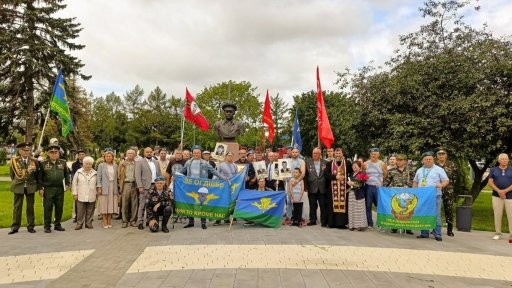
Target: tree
109,121
279,110
448,86
210,101
133,100
33,43
344,119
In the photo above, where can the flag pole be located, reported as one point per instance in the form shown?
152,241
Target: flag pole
48,112
44,126
182,124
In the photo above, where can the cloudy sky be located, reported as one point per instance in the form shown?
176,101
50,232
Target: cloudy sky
275,45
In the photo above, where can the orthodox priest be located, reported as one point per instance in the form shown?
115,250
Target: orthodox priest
336,198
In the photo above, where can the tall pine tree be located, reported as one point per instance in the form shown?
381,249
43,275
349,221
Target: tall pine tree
33,44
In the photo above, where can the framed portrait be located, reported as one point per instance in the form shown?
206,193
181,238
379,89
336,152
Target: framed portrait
261,169
220,151
284,166
275,171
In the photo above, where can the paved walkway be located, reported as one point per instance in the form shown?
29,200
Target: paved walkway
250,257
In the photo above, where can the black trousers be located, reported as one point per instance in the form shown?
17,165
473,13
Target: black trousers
297,212
191,220
317,200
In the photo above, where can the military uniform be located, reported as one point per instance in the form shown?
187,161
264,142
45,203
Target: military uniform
400,178
397,178
448,192
23,172
52,177
165,209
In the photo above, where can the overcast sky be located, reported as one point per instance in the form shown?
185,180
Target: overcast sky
275,45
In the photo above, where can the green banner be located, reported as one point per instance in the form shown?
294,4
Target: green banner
414,223
199,211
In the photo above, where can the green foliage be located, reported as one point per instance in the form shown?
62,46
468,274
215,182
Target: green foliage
344,118
210,101
448,86
33,43
3,156
281,117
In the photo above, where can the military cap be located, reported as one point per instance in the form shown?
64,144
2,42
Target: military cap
196,147
159,178
401,157
441,151
229,104
374,149
428,153
53,148
25,146
206,152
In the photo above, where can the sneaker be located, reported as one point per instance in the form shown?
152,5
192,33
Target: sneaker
496,237
249,223
370,228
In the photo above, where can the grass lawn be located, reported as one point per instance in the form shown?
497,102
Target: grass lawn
4,171
6,203
483,216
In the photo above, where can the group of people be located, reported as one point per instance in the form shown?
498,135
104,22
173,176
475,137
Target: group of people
138,188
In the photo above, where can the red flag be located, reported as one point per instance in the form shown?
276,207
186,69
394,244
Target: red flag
267,119
193,114
324,128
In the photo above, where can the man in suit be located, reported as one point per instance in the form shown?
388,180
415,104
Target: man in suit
316,186
23,172
146,171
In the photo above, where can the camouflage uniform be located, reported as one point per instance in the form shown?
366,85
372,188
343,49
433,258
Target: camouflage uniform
397,178
448,191
165,208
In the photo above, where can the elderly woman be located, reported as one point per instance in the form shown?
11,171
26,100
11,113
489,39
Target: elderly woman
84,191
107,188
356,198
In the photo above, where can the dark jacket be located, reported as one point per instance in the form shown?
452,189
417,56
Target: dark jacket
316,183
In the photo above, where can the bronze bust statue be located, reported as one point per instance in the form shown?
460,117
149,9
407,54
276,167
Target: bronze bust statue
229,129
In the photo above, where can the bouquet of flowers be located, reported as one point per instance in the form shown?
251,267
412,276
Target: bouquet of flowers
360,180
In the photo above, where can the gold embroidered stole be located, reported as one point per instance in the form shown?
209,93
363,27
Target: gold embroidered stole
338,187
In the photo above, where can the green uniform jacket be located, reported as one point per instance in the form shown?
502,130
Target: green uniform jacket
51,174
24,175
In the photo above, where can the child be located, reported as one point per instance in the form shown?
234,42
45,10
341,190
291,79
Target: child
296,192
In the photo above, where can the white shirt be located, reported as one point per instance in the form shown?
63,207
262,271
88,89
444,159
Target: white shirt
153,169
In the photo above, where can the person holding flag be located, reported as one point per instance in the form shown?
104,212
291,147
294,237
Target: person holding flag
197,167
431,175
